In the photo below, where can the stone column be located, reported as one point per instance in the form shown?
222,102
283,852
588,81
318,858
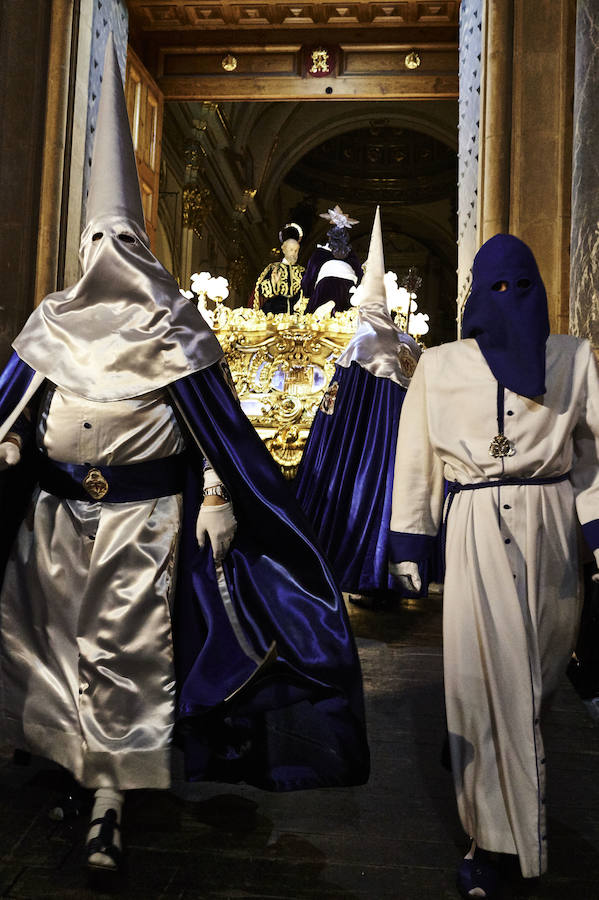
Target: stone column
584,282
541,148
496,115
525,136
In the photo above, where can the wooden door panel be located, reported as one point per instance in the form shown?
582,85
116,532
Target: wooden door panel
145,105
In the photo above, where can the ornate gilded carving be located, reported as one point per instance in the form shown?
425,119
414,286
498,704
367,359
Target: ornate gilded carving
248,195
282,366
197,204
412,60
320,61
229,62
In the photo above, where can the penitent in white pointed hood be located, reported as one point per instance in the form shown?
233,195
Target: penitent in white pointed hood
372,287
123,329
378,345
113,185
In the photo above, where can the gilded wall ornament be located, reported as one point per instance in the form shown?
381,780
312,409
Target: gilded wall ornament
320,61
197,203
412,60
229,62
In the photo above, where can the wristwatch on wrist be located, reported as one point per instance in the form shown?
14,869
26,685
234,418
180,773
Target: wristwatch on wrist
217,490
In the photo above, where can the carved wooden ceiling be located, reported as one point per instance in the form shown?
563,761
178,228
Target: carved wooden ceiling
183,14
244,51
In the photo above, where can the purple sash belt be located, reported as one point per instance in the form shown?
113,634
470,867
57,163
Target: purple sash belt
146,480
454,487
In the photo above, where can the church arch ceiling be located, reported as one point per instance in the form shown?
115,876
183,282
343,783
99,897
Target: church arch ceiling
380,164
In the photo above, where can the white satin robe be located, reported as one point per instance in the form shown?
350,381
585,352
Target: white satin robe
511,600
86,672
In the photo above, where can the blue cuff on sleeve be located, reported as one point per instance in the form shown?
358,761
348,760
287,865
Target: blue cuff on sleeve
591,533
404,547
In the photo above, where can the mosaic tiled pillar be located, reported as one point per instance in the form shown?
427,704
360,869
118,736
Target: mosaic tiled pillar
108,15
584,272
469,127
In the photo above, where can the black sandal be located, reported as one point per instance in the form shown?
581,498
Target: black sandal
104,843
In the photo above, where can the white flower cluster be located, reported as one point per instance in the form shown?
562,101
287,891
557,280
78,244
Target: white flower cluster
402,302
206,286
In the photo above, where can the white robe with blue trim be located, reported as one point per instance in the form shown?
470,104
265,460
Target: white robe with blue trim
512,599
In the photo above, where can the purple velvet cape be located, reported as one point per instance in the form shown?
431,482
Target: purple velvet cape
300,723
345,480
330,288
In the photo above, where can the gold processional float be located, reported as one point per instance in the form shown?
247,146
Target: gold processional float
282,364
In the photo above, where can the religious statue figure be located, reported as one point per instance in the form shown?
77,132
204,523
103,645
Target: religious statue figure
279,286
333,269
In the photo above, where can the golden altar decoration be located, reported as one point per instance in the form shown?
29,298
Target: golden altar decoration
282,365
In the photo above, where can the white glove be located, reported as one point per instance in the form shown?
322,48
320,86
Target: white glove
10,455
407,574
219,523
595,553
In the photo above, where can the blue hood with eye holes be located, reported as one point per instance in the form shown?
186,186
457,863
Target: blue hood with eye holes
511,327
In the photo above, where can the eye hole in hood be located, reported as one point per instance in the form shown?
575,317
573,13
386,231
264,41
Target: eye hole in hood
97,236
127,238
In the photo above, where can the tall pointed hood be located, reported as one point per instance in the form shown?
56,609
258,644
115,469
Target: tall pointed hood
372,288
123,329
378,345
113,184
